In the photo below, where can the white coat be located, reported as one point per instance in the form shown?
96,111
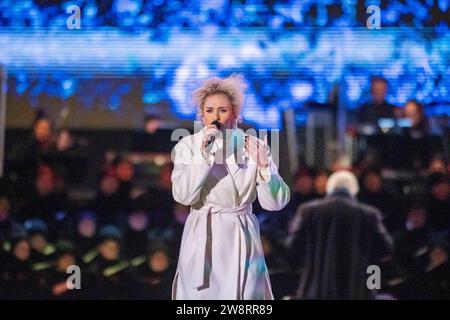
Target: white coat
221,255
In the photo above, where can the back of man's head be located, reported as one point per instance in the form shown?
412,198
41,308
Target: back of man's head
343,181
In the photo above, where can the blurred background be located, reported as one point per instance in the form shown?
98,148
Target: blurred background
87,113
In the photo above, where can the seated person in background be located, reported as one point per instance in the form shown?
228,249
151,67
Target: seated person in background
154,276
433,282
320,183
86,236
32,154
16,277
71,155
54,279
108,275
152,124
303,189
377,108
157,199
110,200
375,192
135,238
9,227
48,197
421,126
411,244
437,165
439,203
41,249
153,138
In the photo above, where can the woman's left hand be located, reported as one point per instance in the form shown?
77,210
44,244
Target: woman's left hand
257,150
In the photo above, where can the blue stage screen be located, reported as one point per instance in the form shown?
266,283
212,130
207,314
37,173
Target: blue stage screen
148,53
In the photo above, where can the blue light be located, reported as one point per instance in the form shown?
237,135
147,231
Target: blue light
128,6
276,22
354,88
301,118
90,11
60,215
160,50
443,5
371,2
301,91
67,84
151,98
114,103
391,15
21,87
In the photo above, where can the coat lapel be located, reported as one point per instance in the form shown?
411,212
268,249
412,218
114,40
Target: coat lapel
234,160
235,154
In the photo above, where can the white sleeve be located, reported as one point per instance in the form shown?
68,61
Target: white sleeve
273,193
189,173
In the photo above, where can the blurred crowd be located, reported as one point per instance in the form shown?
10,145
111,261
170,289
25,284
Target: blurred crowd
126,238
254,37
141,14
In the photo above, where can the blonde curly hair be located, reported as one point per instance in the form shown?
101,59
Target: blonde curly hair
233,86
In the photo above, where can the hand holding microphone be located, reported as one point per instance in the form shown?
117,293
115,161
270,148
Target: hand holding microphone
210,135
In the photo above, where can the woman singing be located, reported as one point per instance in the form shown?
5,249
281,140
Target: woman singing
219,171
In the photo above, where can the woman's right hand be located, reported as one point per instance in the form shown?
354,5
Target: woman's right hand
211,130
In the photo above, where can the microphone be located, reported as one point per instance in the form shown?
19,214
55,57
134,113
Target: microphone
217,124
211,138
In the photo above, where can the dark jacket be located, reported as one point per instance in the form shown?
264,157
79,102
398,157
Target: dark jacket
336,240
370,113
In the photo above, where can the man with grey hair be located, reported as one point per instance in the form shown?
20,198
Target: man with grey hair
334,240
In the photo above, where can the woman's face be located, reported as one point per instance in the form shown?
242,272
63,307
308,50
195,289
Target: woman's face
218,107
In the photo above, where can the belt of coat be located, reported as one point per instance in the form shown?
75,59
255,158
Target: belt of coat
200,269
